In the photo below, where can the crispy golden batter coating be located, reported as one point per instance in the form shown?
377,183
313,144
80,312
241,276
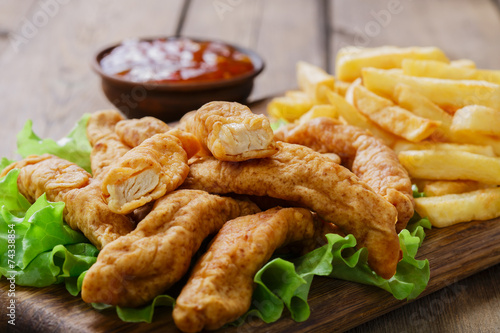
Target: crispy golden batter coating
135,268
64,181
367,156
106,145
299,174
220,287
145,173
231,132
133,132
101,124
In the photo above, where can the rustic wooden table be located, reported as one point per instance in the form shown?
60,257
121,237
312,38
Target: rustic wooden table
46,48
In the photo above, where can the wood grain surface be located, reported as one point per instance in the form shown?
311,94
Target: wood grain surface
48,79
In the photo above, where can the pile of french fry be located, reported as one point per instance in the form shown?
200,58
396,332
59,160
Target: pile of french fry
441,117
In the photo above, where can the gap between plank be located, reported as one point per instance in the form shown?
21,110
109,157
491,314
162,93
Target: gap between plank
325,33
182,17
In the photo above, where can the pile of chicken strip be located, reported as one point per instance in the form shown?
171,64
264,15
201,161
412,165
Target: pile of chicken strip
157,192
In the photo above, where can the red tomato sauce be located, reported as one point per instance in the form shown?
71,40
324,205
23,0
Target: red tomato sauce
175,60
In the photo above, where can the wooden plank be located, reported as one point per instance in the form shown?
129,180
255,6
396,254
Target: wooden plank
462,28
281,31
12,13
290,32
335,305
49,80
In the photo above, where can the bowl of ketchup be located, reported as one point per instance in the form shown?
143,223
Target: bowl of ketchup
168,77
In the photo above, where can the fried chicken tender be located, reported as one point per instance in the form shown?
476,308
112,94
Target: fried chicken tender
367,156
101,124
135,268
133,132
299,174
64,181
145,173
231,132
220,287
106,145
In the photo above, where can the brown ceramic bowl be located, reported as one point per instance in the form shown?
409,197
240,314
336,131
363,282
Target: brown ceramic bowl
170,101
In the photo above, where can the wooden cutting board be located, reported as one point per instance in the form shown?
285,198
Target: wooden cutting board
454,253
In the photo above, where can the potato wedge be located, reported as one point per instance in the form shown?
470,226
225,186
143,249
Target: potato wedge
392,117
475,119
450,209
451,165
450,95
440,70
353,117
321,110
409,99
351,60
402,145
314,81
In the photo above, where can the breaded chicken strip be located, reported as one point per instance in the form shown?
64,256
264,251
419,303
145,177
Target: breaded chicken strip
135,268
299,174
231,132
145,173
64,181
133,132
101,124
367,156
106,145
220,287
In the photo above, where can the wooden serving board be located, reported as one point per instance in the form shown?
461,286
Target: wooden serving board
454,253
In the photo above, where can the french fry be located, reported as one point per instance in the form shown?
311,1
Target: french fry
341,87
314,81
411,100
402,145
289,107
450,95
464,63
451,165
392,117
353,117
437,69
351,60
450,209
322,110
433,188
475,119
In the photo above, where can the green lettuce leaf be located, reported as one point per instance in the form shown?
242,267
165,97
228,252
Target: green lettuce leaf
35,244
4,162
282,284
275,125
75,147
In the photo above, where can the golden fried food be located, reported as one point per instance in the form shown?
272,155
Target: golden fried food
367,156
145,173
101,124
220,287
133,132
64,181
135,268
299,174
106,145
231,132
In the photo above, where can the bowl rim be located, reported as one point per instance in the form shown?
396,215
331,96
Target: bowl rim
256,59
